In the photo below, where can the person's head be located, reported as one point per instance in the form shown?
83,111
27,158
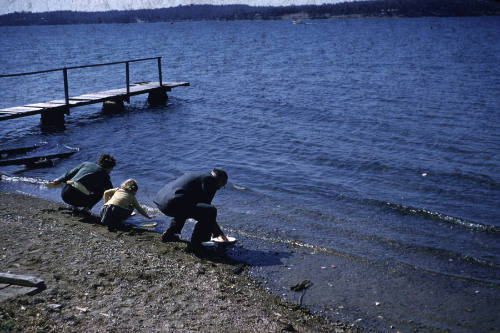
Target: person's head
130,185
220,176
107,162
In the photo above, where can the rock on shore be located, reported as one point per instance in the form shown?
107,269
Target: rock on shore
128,281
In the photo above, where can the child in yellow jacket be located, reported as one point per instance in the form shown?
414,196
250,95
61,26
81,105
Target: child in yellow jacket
119,203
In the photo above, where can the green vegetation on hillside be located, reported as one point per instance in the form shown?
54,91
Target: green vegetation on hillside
377,8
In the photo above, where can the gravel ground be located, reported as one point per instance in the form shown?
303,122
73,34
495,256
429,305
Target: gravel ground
98,281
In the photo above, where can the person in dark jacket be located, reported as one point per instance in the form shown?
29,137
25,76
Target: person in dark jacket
190,196
84,185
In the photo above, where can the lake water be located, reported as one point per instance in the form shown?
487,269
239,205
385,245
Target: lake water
363,154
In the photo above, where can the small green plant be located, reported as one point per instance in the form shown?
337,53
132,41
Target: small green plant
6,323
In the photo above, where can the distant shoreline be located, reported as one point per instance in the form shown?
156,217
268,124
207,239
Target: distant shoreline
355,9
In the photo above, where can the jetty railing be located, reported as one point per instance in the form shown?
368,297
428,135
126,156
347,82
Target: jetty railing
52,112
65,73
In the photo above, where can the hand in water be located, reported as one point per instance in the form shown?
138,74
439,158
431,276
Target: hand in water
53,184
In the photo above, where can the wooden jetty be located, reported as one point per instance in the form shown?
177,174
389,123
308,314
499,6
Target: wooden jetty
52,112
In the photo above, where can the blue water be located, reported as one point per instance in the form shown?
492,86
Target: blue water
368,144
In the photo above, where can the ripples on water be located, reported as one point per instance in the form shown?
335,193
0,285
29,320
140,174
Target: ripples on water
368,139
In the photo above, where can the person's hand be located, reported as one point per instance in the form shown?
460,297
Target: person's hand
53,184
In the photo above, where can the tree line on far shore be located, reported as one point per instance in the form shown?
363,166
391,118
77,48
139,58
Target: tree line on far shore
376,8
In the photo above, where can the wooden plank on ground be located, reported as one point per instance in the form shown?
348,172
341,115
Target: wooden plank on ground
9,291
21,280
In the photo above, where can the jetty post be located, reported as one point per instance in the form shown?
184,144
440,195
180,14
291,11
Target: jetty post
158,97
55,117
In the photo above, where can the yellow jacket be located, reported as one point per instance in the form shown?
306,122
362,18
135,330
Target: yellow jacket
124,199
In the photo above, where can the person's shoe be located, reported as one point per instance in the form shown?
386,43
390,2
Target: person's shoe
75,210
84,211
169,237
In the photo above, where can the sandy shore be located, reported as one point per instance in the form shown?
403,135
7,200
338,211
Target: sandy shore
129,281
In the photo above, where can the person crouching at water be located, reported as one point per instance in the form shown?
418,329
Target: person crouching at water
119,203
190,196
85,184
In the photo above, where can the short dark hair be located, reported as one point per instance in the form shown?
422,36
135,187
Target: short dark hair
106,161
220,175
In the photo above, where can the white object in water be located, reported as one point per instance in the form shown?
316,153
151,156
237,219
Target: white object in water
230,240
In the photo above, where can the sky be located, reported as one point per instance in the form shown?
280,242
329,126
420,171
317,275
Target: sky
10,6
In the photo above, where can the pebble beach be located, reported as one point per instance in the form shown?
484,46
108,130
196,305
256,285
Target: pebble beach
129,281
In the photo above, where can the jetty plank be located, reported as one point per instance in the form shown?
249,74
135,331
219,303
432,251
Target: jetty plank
46,105
17,112
17,109
97,97
71,102
176,84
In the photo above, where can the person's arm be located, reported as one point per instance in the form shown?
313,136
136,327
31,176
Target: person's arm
208,189
108,184
109,194
68,175
141,210
218,232
53,184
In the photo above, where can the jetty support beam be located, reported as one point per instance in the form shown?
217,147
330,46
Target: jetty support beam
54,117
158,97
113,106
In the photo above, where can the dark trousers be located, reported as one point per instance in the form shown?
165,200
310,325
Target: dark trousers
113,216
206,225
74,197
